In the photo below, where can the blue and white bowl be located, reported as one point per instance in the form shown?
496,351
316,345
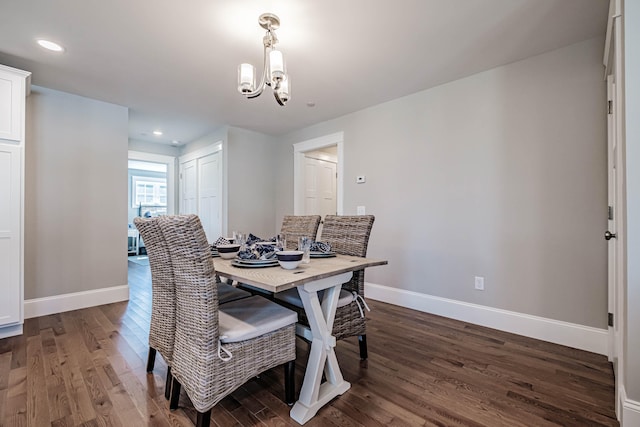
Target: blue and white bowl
289,260
228,251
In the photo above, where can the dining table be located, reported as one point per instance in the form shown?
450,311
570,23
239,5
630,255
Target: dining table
320,274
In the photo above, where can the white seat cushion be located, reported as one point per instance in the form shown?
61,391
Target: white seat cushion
291,296
248,318
227,293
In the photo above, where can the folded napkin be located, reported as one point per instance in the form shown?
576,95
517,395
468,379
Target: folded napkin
320,247
252,239
258,252
221,241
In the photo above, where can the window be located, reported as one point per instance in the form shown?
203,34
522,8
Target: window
148,191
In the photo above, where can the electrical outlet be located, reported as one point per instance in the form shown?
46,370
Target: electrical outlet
479,283
360,210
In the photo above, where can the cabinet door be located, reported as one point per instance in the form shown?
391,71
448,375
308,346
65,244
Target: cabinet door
11,106
10,235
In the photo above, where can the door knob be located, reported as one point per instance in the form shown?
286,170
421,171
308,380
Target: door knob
609,235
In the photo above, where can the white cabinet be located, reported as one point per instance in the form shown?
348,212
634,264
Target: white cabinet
13,89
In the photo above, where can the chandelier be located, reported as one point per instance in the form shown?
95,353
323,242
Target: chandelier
273,71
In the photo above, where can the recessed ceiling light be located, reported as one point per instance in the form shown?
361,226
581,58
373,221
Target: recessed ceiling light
157,132
49,45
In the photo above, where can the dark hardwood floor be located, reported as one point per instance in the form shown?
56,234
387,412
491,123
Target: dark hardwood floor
87,368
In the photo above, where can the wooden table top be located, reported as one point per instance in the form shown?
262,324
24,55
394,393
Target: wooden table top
277,279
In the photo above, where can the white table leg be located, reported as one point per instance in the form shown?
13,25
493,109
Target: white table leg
322,358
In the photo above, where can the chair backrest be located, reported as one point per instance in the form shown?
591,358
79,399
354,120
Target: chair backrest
349,235
163,299
196,340
296,226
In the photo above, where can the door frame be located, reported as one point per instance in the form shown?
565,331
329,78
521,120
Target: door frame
171,173
299,150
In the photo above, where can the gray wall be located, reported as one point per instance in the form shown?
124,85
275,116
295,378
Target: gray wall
248,178
251,165
501,174
75,194
632,113
214,137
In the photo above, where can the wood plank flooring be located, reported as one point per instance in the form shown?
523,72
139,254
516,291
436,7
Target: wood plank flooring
87,368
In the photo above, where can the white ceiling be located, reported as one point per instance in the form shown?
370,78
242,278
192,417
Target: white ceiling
174,63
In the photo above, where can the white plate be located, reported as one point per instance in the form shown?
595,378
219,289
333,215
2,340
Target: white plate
322,254
235,263
255,261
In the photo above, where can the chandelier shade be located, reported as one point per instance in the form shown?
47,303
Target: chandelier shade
274,72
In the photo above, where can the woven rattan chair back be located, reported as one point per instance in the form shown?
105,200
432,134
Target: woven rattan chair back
196,306
163,299
296,226
349,235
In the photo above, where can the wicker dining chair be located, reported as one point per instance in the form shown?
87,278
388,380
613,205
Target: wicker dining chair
296,226
163,296
219,347
348,235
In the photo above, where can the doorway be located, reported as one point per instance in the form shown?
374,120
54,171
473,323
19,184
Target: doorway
151,193
318,176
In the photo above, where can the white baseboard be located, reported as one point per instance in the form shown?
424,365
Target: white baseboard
66,302
630,410
555,331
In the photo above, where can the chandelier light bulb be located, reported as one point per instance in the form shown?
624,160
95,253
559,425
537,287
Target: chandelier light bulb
246,78
276,65
282,90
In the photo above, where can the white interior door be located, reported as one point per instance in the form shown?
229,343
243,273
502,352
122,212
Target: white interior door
209,205
320,187
616,201
189,187
311,203
611,225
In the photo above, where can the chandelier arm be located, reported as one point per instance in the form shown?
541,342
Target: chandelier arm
263,79
280,101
